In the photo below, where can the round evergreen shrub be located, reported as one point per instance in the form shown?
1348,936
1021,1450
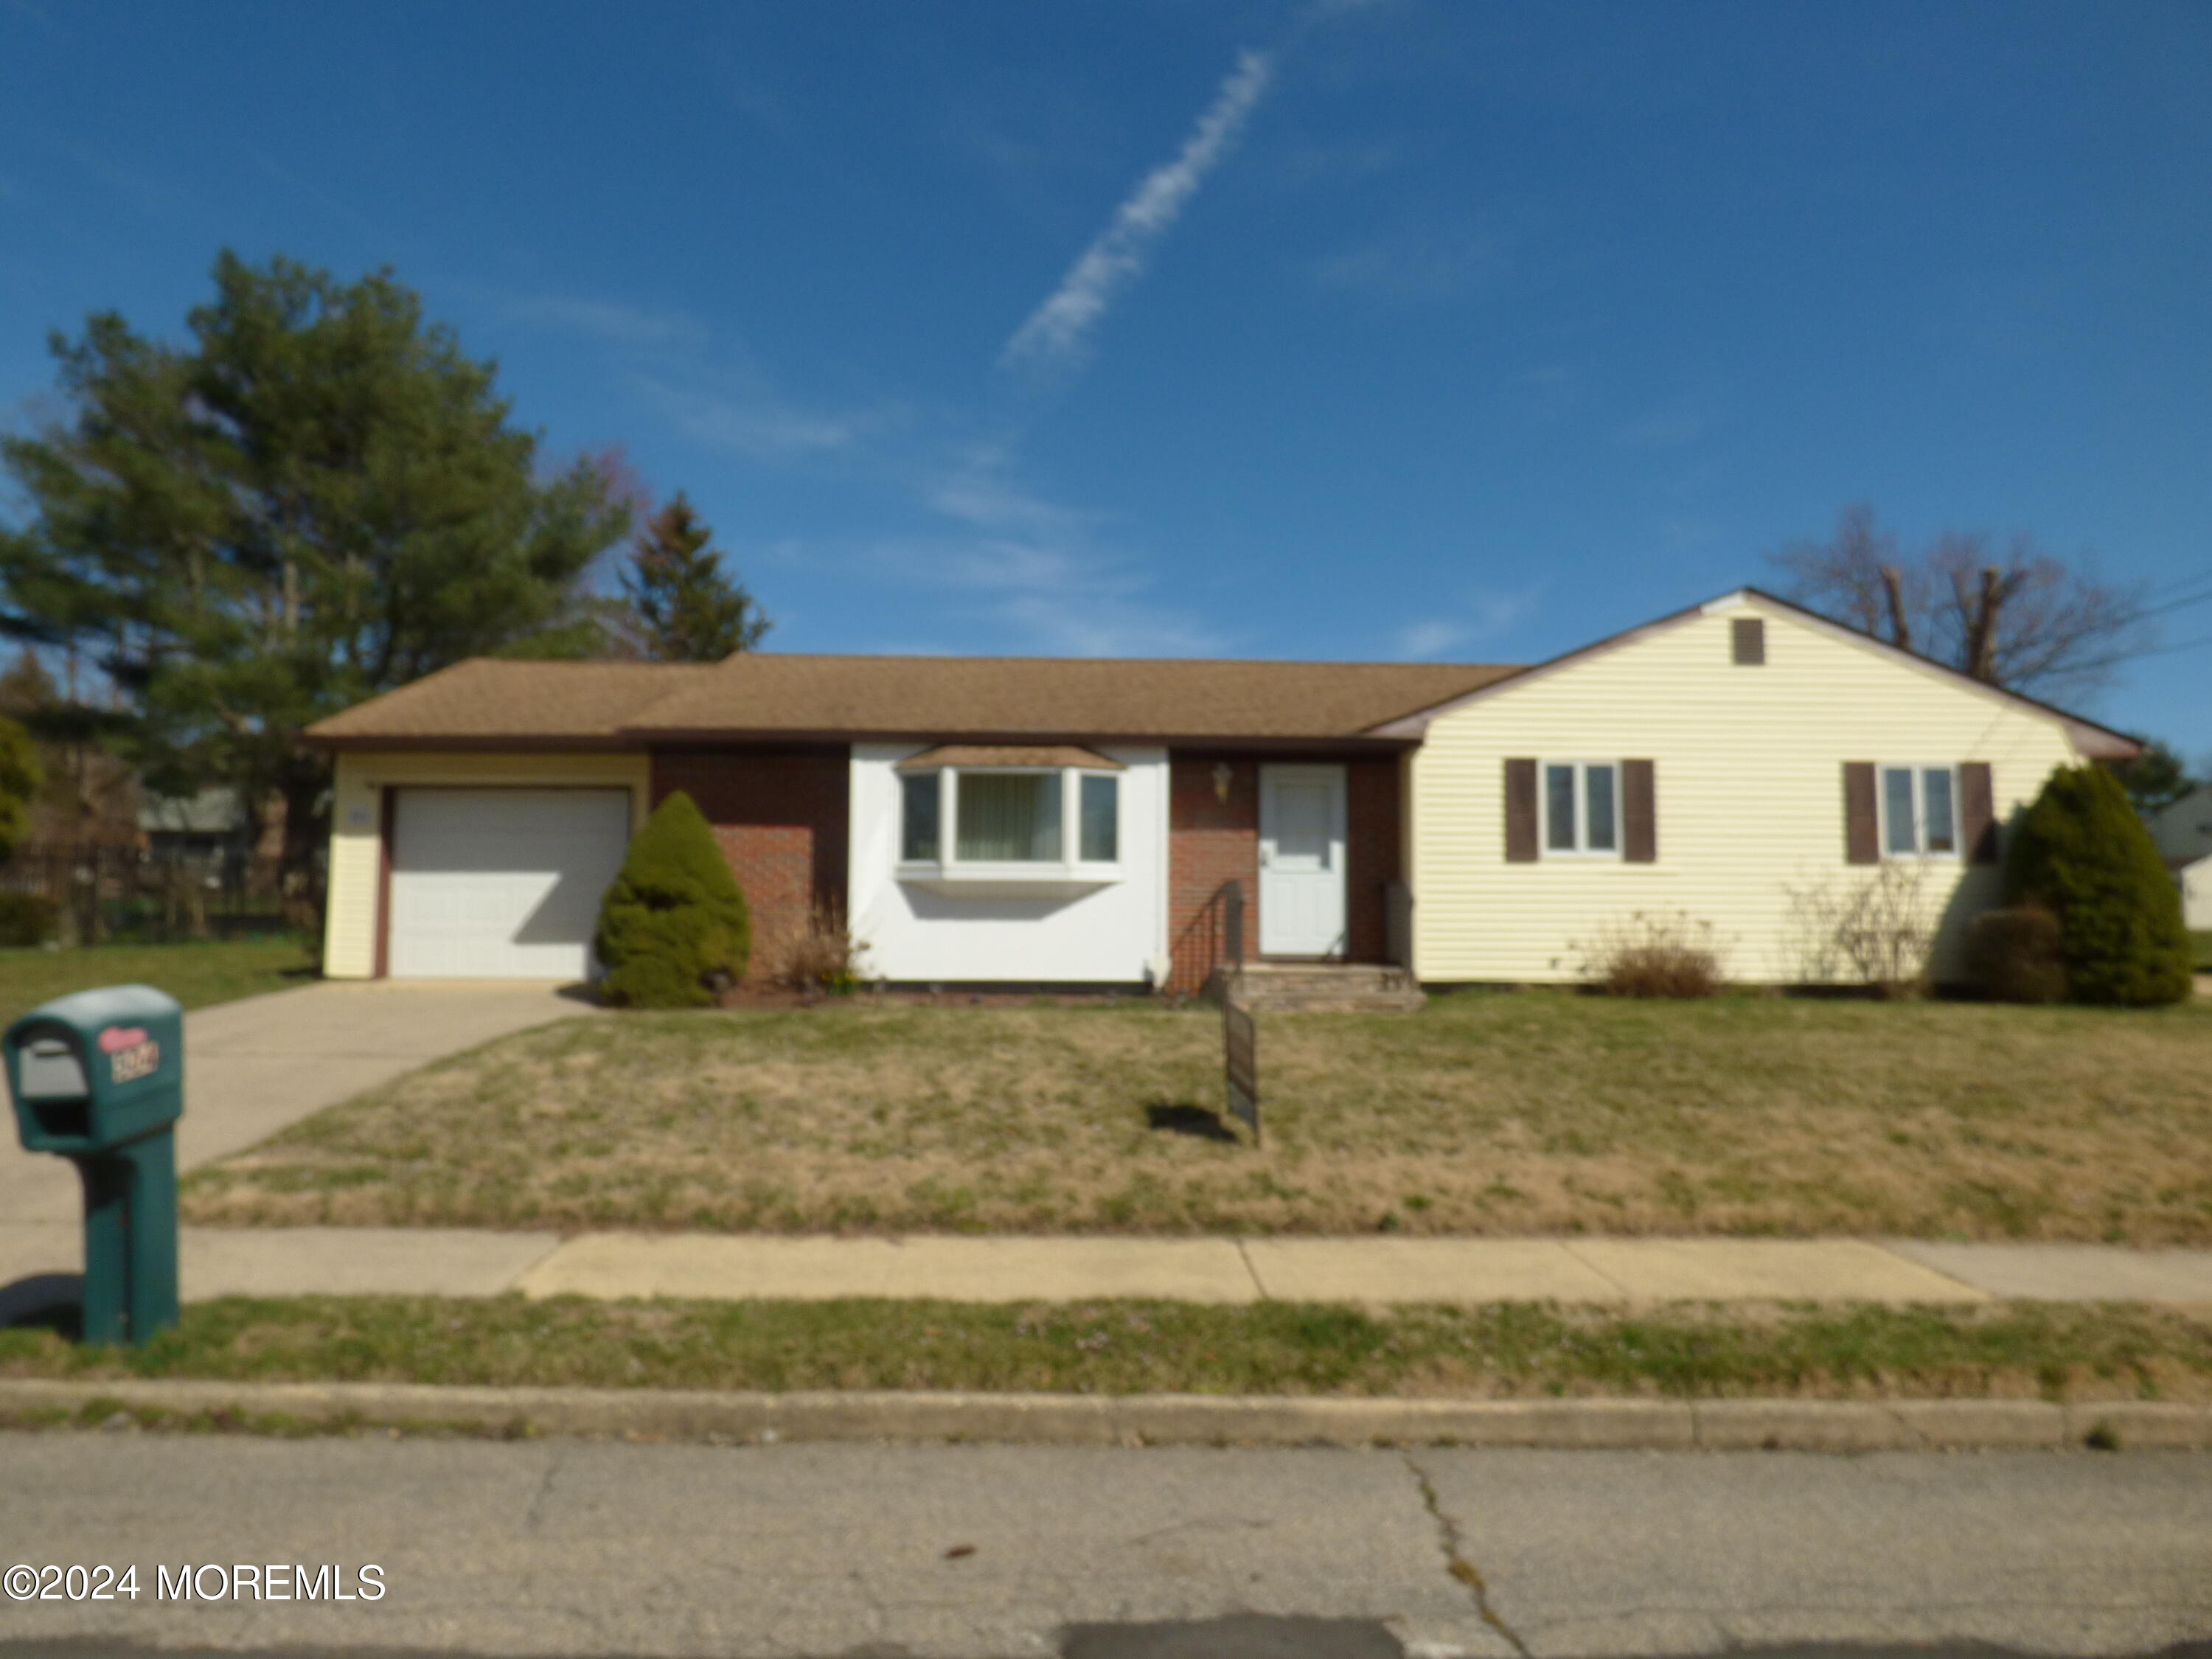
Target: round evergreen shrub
2080,852
2017,955
673,929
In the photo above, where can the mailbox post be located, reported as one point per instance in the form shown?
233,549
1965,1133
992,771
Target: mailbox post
99,1078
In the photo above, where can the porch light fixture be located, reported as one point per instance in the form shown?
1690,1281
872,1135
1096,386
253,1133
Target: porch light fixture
1224,774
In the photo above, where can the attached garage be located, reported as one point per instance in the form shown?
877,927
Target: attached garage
500,883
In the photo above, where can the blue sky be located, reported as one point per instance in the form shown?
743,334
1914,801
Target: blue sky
1408,328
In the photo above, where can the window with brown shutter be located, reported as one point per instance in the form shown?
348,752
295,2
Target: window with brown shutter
1861,818
1747,635
1521,812
1639,814
1978,811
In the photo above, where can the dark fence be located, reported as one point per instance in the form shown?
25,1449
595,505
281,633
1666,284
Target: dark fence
106,893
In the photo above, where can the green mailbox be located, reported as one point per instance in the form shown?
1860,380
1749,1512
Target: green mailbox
99,1078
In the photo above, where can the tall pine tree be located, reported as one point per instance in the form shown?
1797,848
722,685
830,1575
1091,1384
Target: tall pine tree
682,607
314,498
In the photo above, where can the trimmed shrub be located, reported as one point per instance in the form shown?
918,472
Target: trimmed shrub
26,919
673,930
2080,852
2017,955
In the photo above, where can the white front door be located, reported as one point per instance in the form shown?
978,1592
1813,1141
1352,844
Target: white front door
1301,861
502,884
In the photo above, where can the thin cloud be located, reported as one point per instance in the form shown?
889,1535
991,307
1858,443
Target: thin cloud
1673,424
1422,266
1033,567
608,322
1058,329
759,428
1485,617
1065,601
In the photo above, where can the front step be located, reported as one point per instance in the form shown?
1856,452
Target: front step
1317,987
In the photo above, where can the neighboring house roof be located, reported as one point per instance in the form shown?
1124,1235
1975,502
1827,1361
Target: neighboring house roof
2183,829
772,694
2098,742
213,811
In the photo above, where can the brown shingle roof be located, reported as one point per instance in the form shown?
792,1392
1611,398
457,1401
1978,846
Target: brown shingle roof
489,698
1041,696
767,693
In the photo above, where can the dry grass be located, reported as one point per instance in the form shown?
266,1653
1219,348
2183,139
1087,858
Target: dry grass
1504,1112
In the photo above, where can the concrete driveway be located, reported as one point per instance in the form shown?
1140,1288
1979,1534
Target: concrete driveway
255,1066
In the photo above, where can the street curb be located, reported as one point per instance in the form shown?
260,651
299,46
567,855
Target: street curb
1135,1420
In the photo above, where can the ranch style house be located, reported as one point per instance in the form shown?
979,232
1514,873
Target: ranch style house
988,821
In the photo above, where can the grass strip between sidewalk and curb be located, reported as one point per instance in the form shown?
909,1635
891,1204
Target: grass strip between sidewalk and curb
2055,1353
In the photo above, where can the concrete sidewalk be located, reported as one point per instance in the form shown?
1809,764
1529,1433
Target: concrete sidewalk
1593,1272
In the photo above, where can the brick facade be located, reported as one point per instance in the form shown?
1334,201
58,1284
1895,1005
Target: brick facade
1371,855
1213,841
780,816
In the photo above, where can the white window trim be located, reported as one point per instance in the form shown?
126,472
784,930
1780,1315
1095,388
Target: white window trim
1070,871
1582,852
1919,770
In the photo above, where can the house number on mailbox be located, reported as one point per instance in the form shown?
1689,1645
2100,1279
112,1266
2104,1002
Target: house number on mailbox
131,1052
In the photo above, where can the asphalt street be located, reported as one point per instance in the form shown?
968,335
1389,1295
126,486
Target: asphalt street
550,1548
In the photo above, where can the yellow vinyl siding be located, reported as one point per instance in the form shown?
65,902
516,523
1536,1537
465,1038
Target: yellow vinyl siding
357,812
1750,804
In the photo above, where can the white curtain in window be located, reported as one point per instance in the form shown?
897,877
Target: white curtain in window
1009,816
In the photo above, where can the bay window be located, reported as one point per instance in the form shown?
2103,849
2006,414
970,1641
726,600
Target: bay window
1008,817
969,818
918,842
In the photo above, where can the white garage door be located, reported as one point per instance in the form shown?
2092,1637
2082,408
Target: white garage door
502,884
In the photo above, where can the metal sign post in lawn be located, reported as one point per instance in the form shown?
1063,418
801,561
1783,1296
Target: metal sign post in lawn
1241,1052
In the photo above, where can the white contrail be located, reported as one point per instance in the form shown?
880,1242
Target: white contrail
1056,328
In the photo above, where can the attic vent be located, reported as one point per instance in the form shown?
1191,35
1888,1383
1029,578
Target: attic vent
1749,636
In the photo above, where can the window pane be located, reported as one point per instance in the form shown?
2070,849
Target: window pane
1897,807
918,841
1009,816
1102,820
1559,808
1935,800
1598,791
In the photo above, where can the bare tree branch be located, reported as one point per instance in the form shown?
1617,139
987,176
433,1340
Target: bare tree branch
2027,620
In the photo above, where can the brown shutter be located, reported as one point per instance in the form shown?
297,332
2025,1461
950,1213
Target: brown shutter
1521,812
1978,813
1639,814
1748,636
1862,827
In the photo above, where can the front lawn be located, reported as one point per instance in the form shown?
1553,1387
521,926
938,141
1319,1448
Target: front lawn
196,975
1497,1114
2023,1351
